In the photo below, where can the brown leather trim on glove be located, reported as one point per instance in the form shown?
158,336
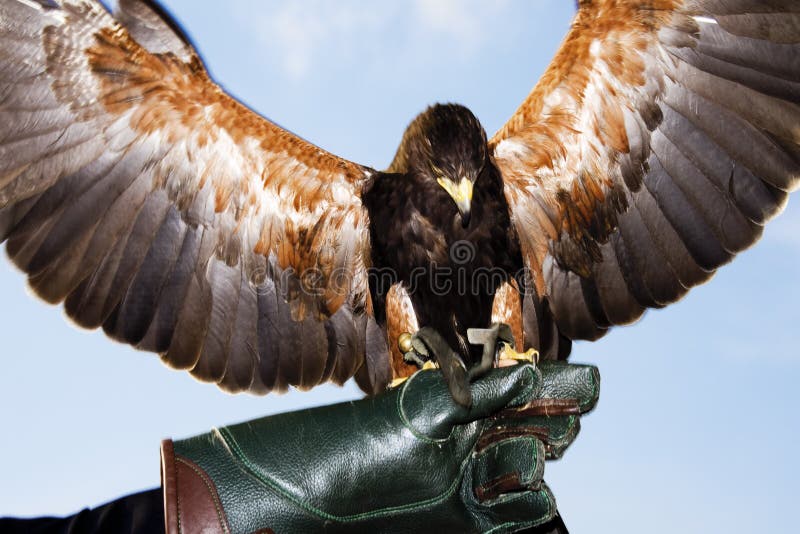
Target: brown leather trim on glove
191,502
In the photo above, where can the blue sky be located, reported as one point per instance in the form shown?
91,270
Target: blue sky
696,429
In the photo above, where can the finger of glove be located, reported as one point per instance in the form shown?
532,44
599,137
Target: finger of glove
567,389
504,388
426,403
507,466
557,433
514,511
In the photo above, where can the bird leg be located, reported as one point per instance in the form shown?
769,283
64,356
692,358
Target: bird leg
430,345
499,349
509,356
427,346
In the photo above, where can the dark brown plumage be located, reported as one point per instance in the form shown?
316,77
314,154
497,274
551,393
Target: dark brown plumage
417,235
661,139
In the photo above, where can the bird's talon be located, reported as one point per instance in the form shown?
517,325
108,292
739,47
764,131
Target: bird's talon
429,365
412,357
509,355
414,350
397,381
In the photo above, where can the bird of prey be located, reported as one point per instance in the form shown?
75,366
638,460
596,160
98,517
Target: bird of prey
660,140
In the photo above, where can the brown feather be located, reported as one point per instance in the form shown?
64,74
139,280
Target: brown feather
507,308
400,319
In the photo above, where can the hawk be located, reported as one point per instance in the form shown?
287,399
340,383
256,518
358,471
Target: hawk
133,189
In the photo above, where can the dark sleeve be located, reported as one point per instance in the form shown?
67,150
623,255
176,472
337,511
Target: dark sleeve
140,513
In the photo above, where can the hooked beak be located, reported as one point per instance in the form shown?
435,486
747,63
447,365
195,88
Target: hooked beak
464,210
461,194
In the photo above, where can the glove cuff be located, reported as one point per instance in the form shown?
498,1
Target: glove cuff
191,502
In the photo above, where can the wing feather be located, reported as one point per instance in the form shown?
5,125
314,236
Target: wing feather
661,139
156,206
240,369
153,28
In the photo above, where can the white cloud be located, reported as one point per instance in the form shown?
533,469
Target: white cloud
457,19
298,34
449,17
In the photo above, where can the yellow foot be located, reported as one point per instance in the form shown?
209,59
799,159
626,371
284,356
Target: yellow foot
426,367
508,356
397,381
429,365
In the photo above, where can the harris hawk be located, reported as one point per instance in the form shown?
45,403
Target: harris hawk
661,139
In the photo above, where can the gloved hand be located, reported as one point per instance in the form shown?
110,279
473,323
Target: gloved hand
407,460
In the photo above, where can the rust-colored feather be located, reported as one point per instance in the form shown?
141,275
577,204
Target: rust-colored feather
507,308
400,319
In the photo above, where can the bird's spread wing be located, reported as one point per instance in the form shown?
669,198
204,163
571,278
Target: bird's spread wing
156,206
661,139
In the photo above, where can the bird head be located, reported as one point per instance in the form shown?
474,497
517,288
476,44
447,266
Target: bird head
446,145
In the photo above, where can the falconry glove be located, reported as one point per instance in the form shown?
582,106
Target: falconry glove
406,460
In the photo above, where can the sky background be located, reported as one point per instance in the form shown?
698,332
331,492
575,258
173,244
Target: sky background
696,430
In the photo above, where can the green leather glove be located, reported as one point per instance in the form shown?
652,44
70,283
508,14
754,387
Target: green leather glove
407,460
